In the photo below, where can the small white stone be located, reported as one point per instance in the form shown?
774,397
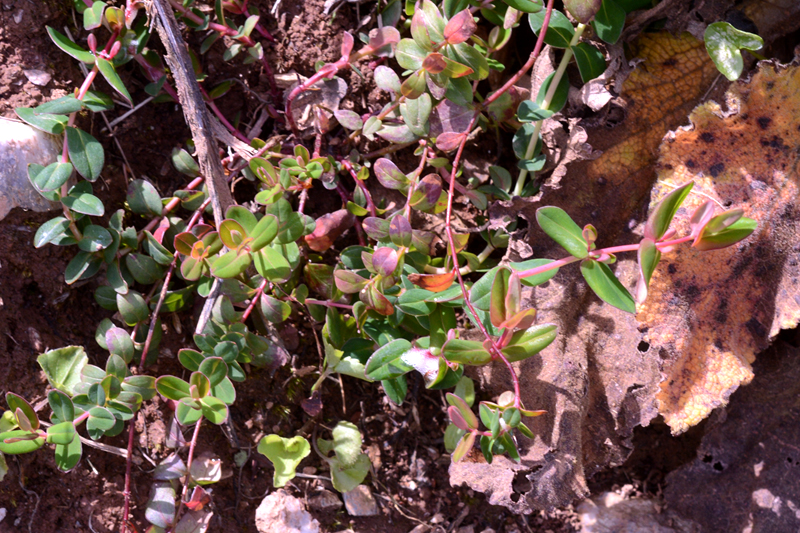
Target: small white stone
360,502
38,77
3,513
281,512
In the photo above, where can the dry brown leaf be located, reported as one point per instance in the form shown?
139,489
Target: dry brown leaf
712,312
747,464
594,381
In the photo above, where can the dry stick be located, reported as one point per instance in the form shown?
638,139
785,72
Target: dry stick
194,109
528,64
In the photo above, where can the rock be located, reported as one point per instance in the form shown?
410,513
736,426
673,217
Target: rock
466,529
3,513
281,512
324,501
421,528
610,512
20,145
38,77
360,502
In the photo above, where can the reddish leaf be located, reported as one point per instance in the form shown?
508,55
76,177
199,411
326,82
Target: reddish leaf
384,261
329,228
433,282
434,63
460,27
389,175
449,141
349,282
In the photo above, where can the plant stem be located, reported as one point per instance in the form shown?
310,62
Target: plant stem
448,229
254,300
192,446
551,91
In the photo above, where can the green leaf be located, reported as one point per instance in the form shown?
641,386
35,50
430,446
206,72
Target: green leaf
53,124
729,235
51,177
464,446
285,455
527,343
172,388
85,152
231,264
63,366
11,446
100,420
414,302
346,443
582,10
559,30
274,310
526,6
263,233
108,71
409,54
387,362
724,44
132,307
559,98
396,389
49,231
80,199
416,114
606,285
467,55
271,264
61,433
466,352
649,257
591,61
558,225
143,198
68,456
214,368
61,405
119,343
93,15
538,279
214,409
609,21
661,216
63,42
346,479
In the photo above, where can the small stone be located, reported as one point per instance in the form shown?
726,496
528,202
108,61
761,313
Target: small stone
21,145
309,470
421,528
3,513
466,529
360,502
281,512
324,501
438,518
38,77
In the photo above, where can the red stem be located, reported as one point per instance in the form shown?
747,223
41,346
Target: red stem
254,300
328,303
328,70
448,229
346,164
188,470
239,135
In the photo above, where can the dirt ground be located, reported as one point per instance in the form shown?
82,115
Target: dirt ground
38,311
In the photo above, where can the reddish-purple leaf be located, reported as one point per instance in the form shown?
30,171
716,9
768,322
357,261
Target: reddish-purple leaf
381,41
422,241
400,231
384,261
449,141
414,85
389,175
349,282
376,301
376,228
456,418
347,44
426,193
329,228
434,63
460,28
700,218
461,407
320,279
464,446
184,243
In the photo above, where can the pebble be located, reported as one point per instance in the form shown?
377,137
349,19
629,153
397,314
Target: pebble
360,502
324,501
3,513
38,77
21,145
281,512
466,529
421,528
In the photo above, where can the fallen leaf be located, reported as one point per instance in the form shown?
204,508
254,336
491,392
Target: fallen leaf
711,312
747,462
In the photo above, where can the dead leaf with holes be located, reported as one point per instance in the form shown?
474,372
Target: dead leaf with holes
711,313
